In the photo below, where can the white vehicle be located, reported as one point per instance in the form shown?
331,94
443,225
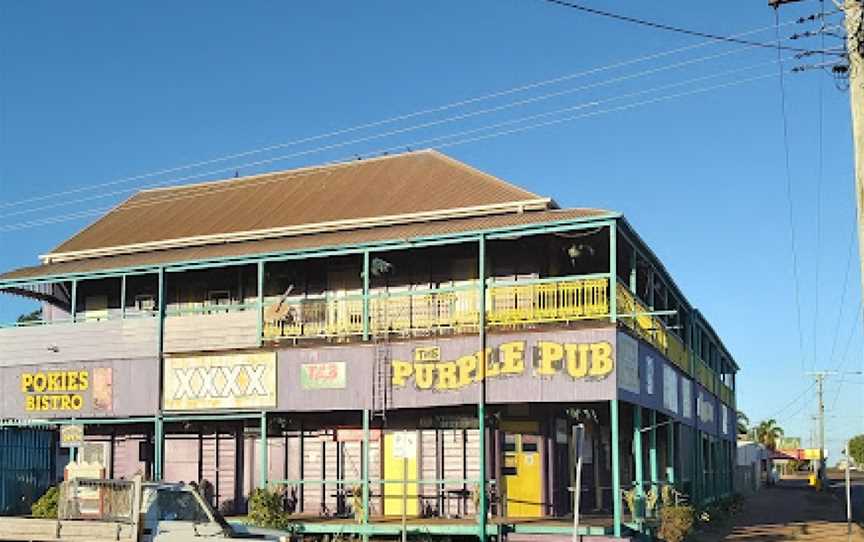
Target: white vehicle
130,511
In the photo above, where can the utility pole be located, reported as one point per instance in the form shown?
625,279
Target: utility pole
853,11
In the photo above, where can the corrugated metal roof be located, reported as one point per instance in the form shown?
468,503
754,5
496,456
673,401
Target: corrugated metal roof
302,242
411,183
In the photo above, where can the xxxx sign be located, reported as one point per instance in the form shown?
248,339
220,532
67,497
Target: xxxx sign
232,381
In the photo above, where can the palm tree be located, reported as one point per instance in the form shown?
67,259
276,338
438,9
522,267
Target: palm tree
768,433
743,423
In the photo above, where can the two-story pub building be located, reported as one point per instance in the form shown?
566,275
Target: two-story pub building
399,334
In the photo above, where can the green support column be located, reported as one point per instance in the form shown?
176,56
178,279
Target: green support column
73,309
633,257
638,474
365,471
613,272
670,453
158,446
616,467
653,467
264,465
260,307
481,404
366,295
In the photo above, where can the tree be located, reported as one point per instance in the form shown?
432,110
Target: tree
767,433
856,449
743,423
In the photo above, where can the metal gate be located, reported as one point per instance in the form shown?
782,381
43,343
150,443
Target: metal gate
27,467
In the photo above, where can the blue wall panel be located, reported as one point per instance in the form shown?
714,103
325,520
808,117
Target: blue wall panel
27,466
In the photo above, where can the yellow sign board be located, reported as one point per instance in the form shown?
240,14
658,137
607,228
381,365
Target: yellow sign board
71,436
228,381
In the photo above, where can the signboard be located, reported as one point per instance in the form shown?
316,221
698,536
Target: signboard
789,443
229,381
550,358
628,363
323,376
405,445
66,390
71,436
670,389
687,398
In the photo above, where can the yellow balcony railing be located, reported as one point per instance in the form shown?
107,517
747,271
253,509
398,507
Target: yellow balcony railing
633,314
429,311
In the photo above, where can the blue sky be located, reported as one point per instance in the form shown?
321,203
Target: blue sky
97,91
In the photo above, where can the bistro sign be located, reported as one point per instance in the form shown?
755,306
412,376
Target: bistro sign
583,360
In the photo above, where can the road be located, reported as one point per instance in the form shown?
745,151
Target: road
789,511
856,480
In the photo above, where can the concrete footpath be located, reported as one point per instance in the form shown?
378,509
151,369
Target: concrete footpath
789,511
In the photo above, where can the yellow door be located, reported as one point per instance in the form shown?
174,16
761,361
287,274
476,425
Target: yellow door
398,469
523,471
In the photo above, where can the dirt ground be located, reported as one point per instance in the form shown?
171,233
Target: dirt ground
789,511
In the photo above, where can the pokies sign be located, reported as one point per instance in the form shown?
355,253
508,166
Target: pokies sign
545,359
220,381
67,390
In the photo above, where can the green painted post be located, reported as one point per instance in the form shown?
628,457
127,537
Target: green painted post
652,453
264,466
639,475
613,272
260,306
481,404
670,453
365,471
616,468
633,257
365,295
158,439
73,312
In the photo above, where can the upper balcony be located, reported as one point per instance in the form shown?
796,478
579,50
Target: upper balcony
533,281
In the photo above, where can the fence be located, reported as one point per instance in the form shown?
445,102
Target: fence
27,467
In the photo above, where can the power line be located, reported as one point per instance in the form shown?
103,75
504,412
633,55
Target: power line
820,156
439,122
789,192
792,402
843,290
417,144
670,28
390,120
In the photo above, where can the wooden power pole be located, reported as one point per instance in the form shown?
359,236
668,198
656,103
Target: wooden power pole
854,14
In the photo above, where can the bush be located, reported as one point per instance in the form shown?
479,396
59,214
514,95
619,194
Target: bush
46,506
265,509
675,523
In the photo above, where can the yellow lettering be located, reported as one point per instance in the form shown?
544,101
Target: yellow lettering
83,380
54,382
513,355
577,360
550,355
401,371
71,381
424,375
77,402
30,403
447,376
26,382
492,365
40,382
466,365
601,359
66,402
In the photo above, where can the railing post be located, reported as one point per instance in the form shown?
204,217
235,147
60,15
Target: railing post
481,404
652,452
670,453
616,468
158,439
365,295
613,272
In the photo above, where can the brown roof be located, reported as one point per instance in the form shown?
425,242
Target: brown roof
406,184
401,232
